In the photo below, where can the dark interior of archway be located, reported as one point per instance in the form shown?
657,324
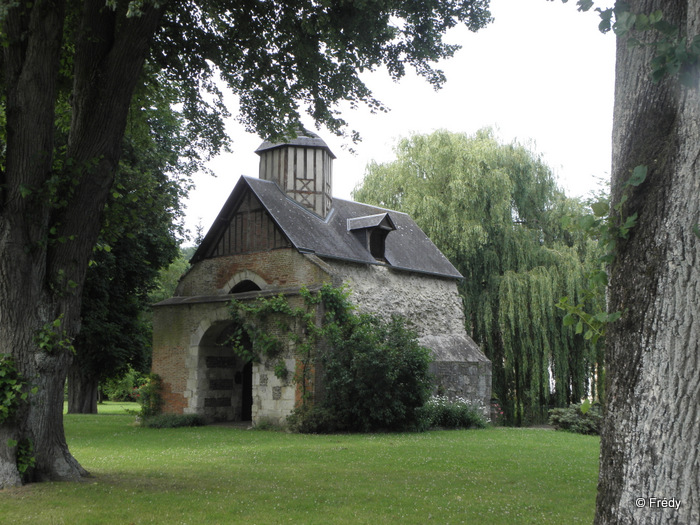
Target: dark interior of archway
247,398
245,286
243,376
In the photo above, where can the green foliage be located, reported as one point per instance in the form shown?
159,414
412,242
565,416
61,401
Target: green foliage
375,375
674,52
13,388
277,56
148,396
585,418
267,424
52,338
169,276
263,321
122,388
608,226
25,457
441,412
495,211
173,421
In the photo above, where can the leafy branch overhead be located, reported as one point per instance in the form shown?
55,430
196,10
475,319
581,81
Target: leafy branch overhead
674,51
278,57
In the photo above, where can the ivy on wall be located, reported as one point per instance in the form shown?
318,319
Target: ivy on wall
375,374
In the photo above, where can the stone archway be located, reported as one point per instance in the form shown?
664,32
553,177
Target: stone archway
224,386
245,281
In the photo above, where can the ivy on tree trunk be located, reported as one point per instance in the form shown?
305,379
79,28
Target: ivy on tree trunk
652,427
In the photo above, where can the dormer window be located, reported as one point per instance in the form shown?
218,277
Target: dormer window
372,230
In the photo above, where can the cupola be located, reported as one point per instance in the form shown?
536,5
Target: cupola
302,168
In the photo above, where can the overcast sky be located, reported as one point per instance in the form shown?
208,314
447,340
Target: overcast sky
541,74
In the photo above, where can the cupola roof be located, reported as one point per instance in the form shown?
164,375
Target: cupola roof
304,138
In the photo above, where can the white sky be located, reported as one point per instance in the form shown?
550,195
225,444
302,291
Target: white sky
541,74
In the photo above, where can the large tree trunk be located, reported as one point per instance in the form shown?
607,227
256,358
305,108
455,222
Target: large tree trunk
650,442
82,392
46,239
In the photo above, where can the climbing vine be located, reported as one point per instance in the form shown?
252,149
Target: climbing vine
52,339
13,392
375,375
608,225
25,458
13,388
675,53
269,323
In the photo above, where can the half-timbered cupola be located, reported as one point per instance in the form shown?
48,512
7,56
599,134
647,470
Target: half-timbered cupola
302,168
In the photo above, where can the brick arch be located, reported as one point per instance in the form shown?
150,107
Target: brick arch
245,275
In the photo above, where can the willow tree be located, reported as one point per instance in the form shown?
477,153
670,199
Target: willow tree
496,212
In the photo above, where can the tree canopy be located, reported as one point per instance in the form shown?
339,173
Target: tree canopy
495,211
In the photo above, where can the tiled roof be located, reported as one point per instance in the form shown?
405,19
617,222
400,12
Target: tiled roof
407,247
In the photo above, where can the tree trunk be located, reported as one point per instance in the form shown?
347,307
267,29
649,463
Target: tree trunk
649,450
46,238
82,392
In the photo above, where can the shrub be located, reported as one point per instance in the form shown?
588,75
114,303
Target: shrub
174,421
312,419
581,419
122,388
267,424
441,412
148,396
375,378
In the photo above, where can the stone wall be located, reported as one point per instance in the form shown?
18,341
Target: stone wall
434,307
432,303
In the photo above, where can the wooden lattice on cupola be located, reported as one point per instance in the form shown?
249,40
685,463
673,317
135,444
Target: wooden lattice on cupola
302,168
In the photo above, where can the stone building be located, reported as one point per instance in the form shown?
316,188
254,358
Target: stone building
282,231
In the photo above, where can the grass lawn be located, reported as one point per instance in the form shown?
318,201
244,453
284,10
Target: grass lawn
223,475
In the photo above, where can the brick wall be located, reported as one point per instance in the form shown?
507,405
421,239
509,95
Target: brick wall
185,335
278,268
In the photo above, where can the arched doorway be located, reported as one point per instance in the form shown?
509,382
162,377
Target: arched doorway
226,381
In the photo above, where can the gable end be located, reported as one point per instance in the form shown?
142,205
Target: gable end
250,228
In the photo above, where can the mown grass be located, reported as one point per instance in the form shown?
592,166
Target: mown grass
223,475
